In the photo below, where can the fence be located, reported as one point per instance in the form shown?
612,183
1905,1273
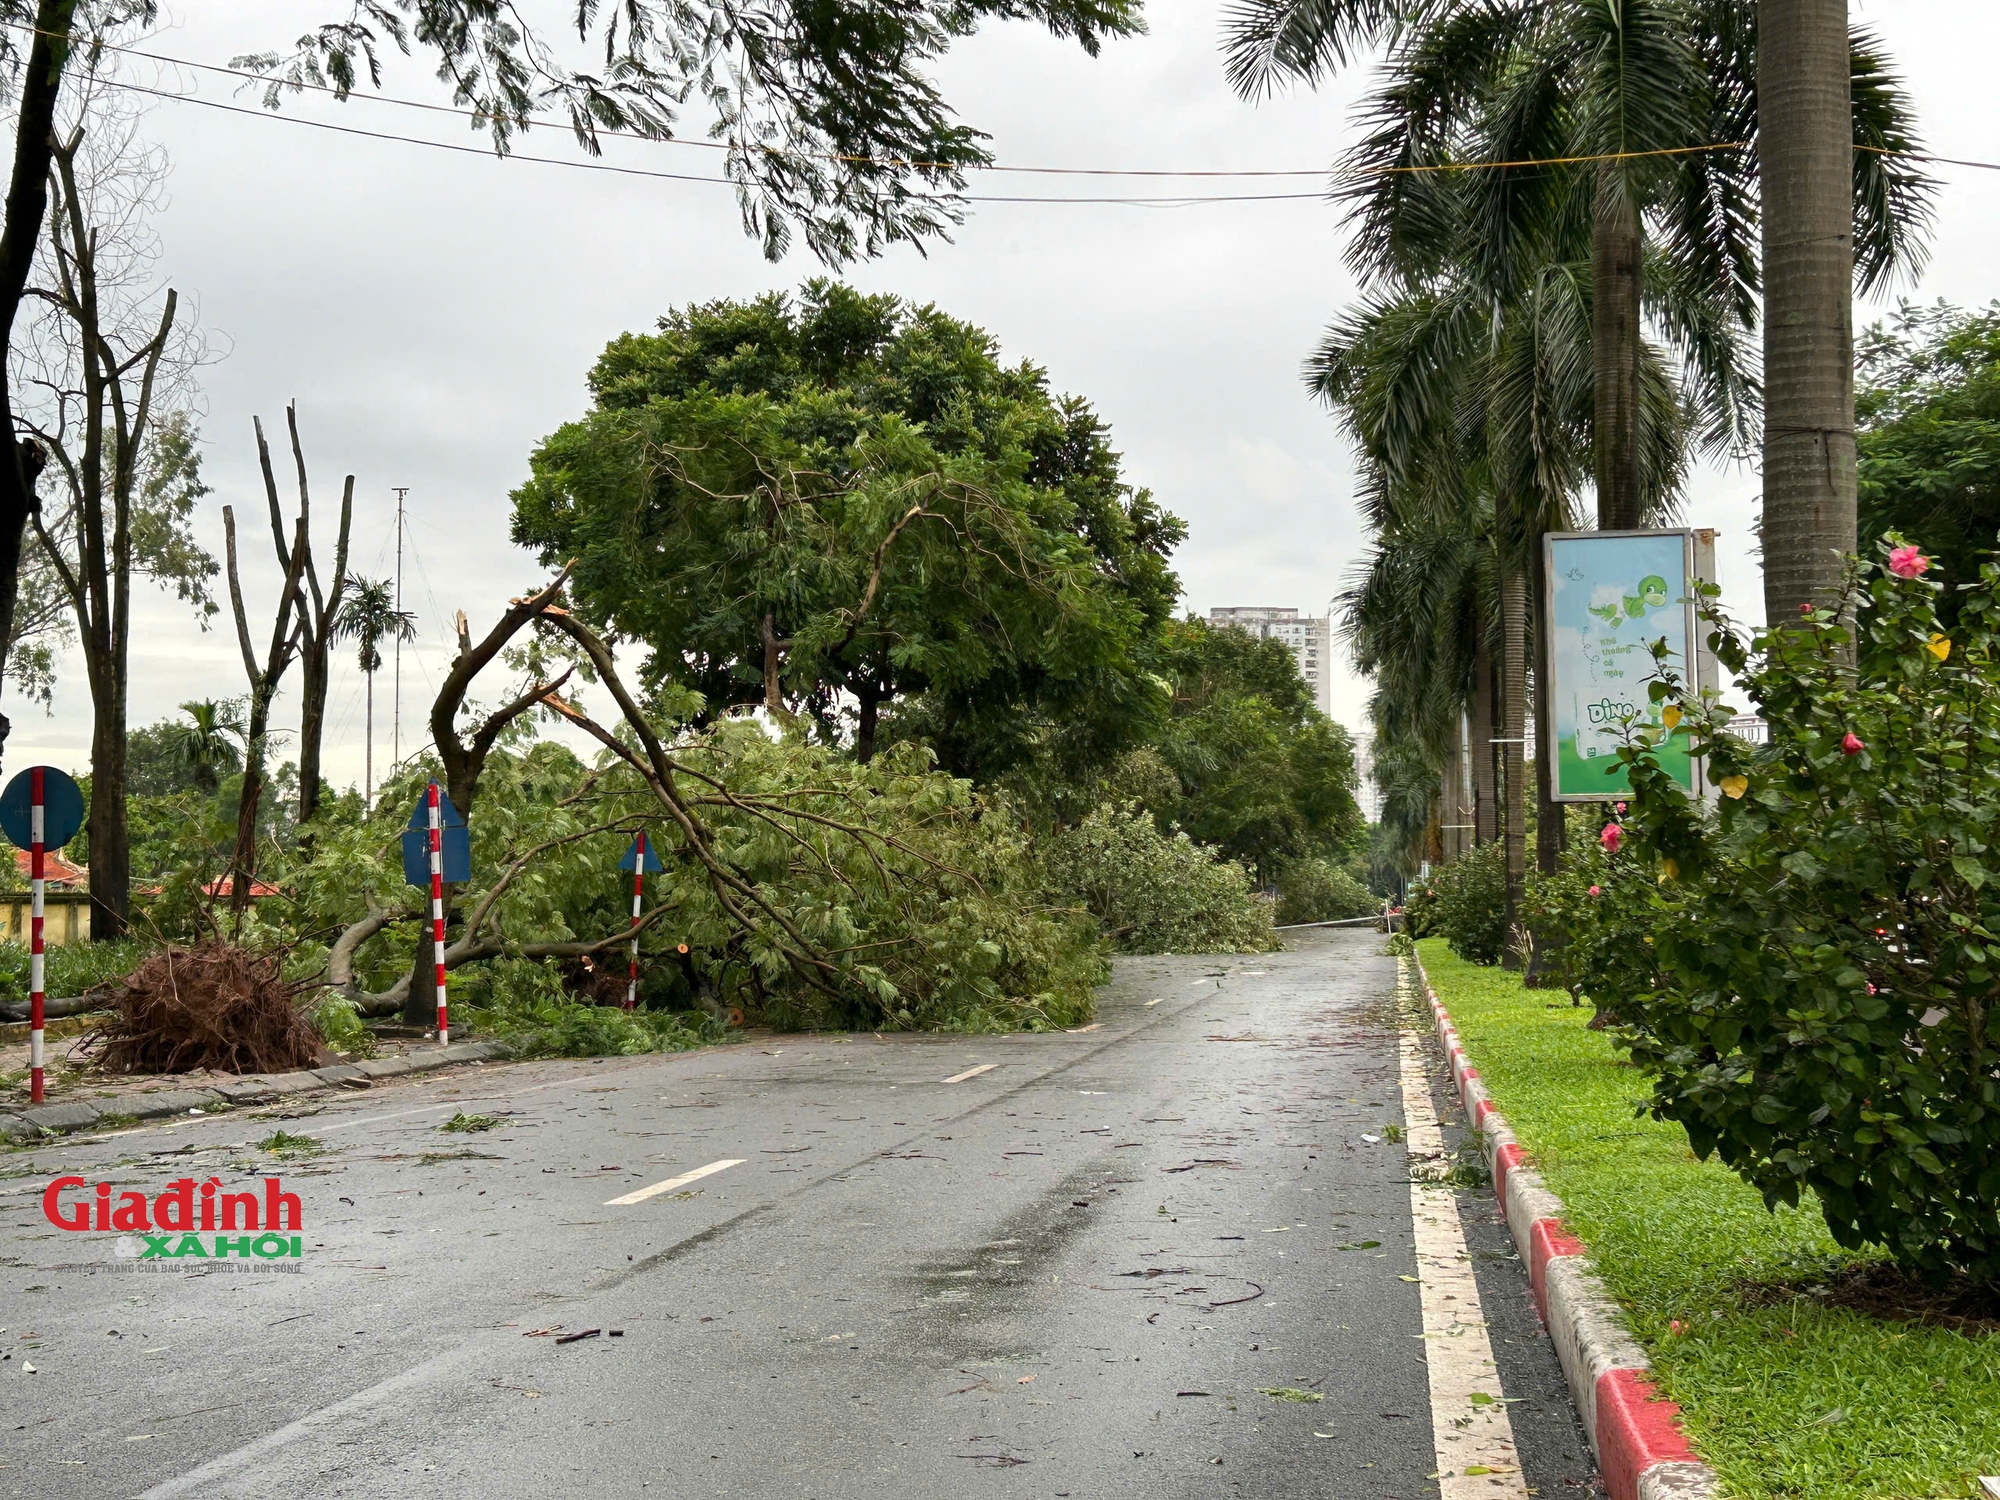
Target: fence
65,917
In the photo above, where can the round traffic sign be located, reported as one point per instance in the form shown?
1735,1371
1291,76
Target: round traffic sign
62,808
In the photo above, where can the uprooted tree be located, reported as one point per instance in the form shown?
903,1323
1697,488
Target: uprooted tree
800,885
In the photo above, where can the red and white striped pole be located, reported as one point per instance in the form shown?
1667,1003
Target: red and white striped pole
36,873
638,890
437,909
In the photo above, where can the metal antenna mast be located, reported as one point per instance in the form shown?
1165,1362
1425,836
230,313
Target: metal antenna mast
397,735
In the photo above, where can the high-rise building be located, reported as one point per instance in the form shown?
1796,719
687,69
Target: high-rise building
1309,636
1366,793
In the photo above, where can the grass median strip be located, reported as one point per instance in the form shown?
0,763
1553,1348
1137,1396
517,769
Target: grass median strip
1784,1394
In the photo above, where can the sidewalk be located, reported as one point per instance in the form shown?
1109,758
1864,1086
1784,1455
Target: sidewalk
101,1101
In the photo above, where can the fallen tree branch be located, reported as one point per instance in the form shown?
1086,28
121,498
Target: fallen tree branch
56,1006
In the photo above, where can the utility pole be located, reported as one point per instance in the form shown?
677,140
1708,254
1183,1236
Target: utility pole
396,756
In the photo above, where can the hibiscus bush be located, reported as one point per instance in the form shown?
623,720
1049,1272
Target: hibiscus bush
1809,970
1468,903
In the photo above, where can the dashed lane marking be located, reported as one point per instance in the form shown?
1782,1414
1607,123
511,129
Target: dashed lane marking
673,1182
970,1073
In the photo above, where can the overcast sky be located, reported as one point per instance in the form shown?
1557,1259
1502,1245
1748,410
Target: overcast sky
433,314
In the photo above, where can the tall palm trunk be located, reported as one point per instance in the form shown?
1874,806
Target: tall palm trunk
1514,648
1549,831
368,751
1617,245
1806,167
1458,819
1485,810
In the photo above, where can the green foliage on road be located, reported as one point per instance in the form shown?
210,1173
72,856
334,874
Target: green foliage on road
528,1006
1318,890
923,895
1789,1398
1157,892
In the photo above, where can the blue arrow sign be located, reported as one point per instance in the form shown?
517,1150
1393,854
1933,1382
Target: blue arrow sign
631,858
62,809
455,853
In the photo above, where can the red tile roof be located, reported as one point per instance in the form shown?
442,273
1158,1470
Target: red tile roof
56,870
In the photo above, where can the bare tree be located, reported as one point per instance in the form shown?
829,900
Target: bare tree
319,614
104,372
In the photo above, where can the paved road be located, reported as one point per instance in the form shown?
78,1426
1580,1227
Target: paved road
1077,1270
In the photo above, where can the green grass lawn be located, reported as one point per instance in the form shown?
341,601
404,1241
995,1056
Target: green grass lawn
1787,1399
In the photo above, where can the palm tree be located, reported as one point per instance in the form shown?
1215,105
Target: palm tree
201,747
1806,163
1473,416
370,617
1644,92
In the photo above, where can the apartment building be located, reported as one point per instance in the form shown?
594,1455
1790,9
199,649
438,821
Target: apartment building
1309,636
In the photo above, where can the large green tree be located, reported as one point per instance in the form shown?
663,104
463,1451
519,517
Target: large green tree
1929,414
849,511
1263,774
832,124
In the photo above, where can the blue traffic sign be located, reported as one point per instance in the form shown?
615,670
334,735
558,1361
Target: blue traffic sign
455,853
448,815
630,858
62,808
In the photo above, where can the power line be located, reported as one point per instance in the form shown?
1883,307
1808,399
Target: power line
898,163
1156,201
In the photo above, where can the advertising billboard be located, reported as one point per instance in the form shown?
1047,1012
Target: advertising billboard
1609,597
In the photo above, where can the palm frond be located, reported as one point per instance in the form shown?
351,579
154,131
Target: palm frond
1894,198
1268,42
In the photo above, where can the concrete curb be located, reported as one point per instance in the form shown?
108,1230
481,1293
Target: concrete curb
1641,1451
251,1088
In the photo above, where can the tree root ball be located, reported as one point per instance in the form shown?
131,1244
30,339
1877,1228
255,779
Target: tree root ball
212,1005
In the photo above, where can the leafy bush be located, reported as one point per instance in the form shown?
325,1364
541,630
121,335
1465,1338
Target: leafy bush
1468,904
1420,909
1810,973
1155,892
1580,915
1318,890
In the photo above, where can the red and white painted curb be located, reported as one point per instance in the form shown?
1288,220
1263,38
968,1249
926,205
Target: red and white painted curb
1641,1451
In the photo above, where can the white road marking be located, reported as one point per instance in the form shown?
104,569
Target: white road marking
673,1182
970,1073
1080,1030
1470,1433
1150,1003
500,1094
401,1114
1200,982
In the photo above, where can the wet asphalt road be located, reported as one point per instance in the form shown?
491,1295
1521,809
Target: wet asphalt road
1072,1274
